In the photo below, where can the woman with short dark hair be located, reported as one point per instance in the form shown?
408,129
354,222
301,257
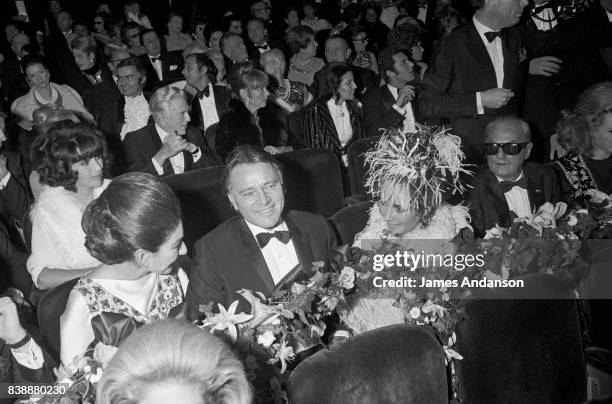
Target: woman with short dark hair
134,229
70,160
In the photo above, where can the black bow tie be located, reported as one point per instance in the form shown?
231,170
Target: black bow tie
263,47
264,238
540,8
491,35
506,186
204,93
153,60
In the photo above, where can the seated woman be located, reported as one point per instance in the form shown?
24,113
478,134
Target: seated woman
240,124
290,95
362,57
44,92
304,64
137,281
176,40
70,160
410,175
333,120
156,364
586,133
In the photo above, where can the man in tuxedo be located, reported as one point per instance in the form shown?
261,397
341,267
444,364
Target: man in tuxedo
507,187
162,67
262,249
210,101
338,50
168,146
259,40
474,74
392,104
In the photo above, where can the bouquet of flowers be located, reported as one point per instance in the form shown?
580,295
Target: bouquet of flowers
81,377
542,243
594,222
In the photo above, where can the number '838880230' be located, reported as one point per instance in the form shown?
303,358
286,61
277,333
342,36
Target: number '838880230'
32,390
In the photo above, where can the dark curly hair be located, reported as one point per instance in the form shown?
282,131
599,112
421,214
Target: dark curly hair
65,143
328,80
576,127
136,211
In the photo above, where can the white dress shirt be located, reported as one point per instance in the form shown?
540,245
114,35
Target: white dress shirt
342,121
280,258
158,67
609,14
495,51
545,20
177,161
518,199
209,108
406,111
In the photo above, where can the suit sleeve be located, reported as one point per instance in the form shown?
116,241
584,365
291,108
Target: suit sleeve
375,115
476,212
224,142
135,160
14,198
205,283
208,158
437,100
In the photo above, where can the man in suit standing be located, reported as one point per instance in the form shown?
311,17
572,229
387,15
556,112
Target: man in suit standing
168,146
474,74
507,187
162,67
210,101
263,248
392,104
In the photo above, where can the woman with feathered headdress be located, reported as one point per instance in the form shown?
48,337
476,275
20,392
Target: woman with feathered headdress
410,176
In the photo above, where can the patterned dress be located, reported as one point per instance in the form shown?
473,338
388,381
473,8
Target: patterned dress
577,173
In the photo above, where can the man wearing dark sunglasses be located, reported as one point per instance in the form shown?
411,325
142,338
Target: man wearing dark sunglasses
508,187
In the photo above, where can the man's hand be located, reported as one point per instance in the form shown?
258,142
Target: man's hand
11,330
3,168
555,147
545,66
26,124
495,98
404,96
171,146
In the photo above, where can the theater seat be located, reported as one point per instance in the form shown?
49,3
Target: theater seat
350,220
50,308
517,349
357,167
395,364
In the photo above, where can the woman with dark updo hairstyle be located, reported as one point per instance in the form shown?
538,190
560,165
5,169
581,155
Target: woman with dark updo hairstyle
586,134
69,160
134,229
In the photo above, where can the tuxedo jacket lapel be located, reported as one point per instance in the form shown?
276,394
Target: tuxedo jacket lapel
497,200
157,144
196,113
479,52
304,253
253,255
510,62
120,114
535,191
221,100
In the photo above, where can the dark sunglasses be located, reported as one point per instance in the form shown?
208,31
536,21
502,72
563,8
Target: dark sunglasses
509,148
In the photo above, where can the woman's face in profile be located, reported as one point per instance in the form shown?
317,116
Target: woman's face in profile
398,221
167,254
602,137
346,89
259,97
172,392
90,173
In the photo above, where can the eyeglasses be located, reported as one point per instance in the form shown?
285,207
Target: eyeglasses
364,39
510,149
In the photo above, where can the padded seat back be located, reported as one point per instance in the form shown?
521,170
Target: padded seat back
350,220
520,350
50,308
357,166
394,364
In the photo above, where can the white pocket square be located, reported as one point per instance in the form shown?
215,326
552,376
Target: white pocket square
173,67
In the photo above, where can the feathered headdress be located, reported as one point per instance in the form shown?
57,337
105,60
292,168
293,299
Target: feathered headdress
415,170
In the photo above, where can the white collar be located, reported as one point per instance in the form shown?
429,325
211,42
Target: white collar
392,90
609,13
257,230
517,178
162,133
480,27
